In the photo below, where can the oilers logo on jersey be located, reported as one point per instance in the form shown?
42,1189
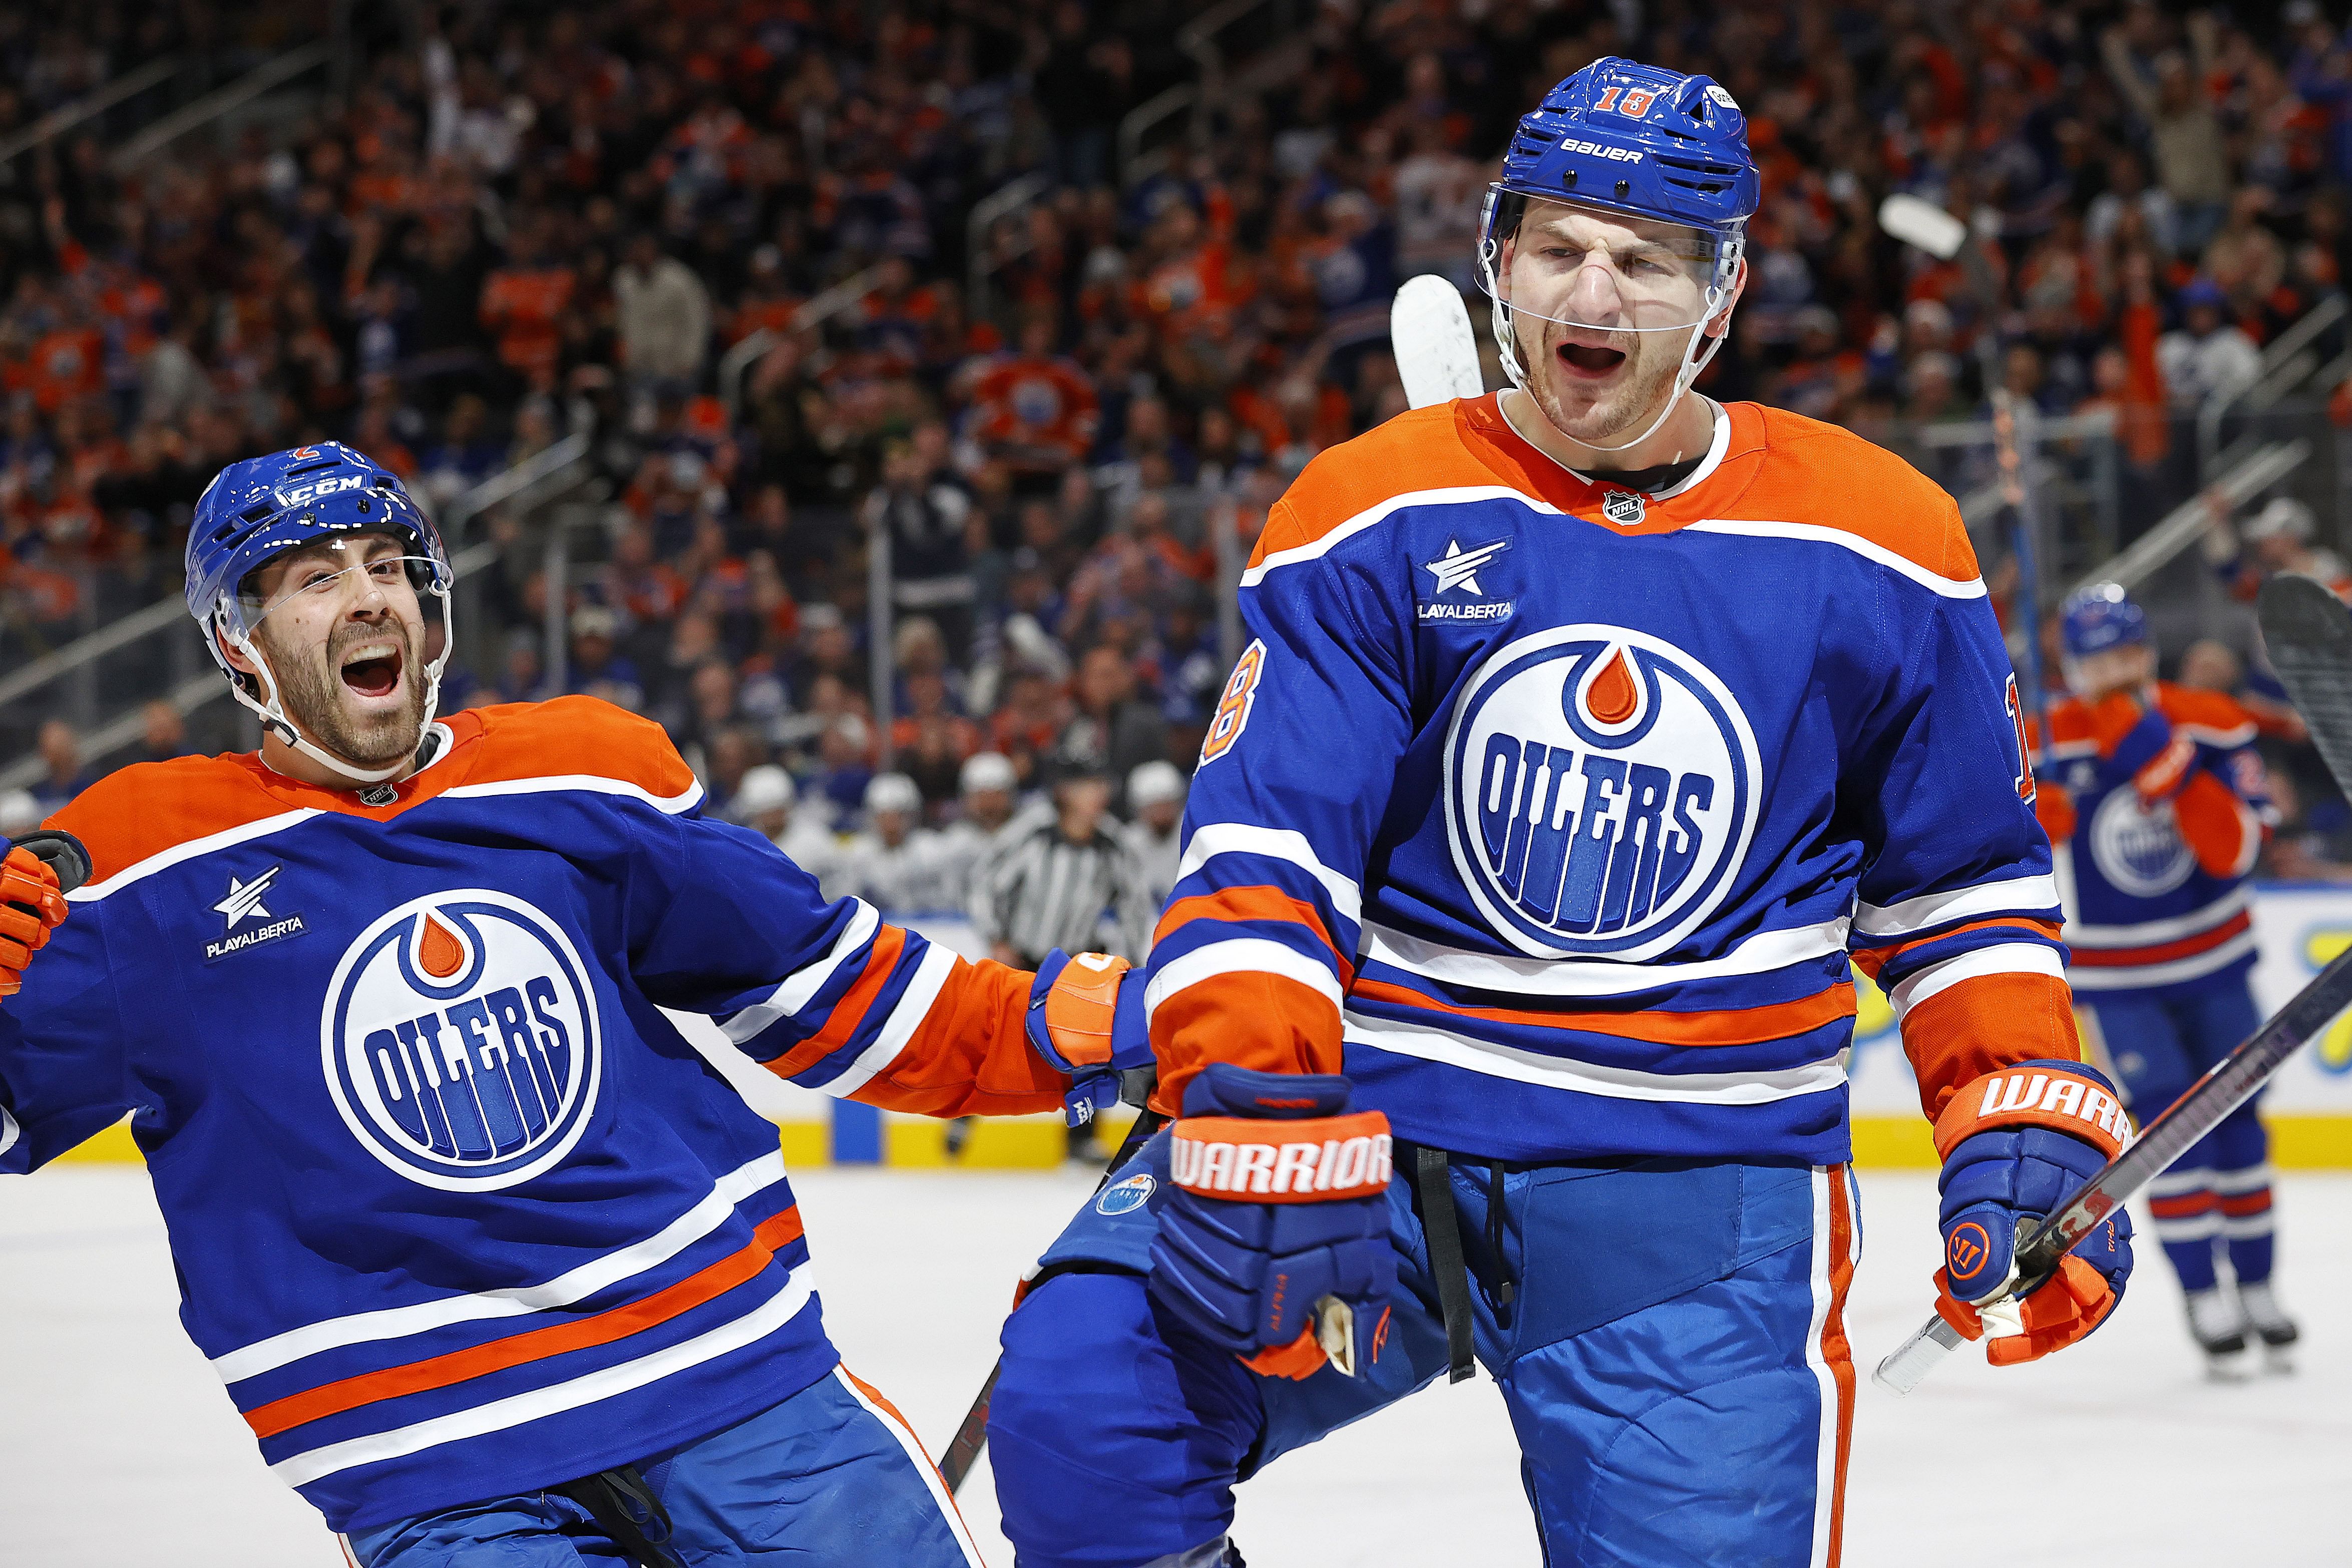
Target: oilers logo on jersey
461,1041
1602,789
2138,848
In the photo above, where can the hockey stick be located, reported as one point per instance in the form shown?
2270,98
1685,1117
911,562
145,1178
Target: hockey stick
1429,333
972,1437
2309,633
1925,225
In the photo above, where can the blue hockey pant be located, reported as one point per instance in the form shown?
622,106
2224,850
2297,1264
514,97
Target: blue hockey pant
832,1478
2218,1194
1675,1361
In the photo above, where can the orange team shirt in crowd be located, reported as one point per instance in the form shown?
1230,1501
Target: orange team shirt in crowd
66,363
525,306
1044,405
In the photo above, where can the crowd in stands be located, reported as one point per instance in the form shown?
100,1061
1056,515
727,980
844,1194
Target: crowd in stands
524,222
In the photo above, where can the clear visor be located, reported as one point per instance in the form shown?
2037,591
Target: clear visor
1582,267
333,578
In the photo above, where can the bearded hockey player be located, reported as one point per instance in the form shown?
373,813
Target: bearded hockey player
2158,801
1502,998
493,1263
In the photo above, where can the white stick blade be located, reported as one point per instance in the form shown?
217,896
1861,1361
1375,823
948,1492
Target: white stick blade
1921,223
1436,353
1914,1358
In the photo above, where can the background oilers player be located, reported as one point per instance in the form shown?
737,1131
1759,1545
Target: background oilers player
2157,797
482,1249
1644,712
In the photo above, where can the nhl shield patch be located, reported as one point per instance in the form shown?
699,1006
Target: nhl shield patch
1625,508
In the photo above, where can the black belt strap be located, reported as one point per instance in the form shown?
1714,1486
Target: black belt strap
626,1509
1442,1227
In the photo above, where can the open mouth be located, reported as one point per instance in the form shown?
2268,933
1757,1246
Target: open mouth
1591,359
372,670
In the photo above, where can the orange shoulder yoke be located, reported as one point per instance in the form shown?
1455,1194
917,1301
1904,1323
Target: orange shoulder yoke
138,812
1421,450
1829,477
2207,710
572,736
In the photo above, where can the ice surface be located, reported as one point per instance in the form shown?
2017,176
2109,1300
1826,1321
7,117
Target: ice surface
118,1448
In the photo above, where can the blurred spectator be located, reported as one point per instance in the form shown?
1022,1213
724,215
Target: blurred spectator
595,667
2274,539
663,315
163,733
1155,794
62,777
923,517
2209,666
1113,731
2207,353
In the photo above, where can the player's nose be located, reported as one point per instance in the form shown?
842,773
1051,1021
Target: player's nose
1594,298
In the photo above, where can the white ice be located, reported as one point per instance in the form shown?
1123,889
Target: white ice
118,1447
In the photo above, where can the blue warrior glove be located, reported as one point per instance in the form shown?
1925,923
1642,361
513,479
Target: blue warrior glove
1086,1017
2016,1144
1275,1238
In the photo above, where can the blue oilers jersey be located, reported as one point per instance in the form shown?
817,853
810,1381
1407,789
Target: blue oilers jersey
456,1210
2156,884
1553,813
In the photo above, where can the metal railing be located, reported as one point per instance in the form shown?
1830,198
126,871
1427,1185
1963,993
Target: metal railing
2287,361
980,242
526,485
816,311
65,117
2182,526
269,73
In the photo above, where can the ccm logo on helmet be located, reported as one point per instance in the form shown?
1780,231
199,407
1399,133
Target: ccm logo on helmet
1614,154
325,486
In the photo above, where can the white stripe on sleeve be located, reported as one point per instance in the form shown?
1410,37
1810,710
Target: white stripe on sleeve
2003,958
914,1004
2013,896
1241,955
1213,838
802,985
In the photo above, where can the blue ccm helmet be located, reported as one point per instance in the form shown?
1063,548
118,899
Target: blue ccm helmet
259,508
1632,141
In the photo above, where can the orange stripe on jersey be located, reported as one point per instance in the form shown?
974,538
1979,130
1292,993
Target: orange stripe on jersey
1983,1024
2239,1205
2217,825
2164,952
970,1055
1870,960
2181,1206
850,1011
1293,1028
572,736
1257,903
705,1285
1837,1350
1735,1026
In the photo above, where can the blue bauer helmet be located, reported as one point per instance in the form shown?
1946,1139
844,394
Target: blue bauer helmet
256,510
2092,620
1630,141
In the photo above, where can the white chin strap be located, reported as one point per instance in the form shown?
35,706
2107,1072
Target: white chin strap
1697,350
273,711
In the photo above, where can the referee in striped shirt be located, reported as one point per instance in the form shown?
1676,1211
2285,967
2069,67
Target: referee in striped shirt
1055,886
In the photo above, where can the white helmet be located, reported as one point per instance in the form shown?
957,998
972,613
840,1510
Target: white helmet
764,789
1154,781
892,792
985,771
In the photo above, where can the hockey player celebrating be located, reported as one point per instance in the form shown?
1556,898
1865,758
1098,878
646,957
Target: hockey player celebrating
2157,802
492,1262
1584,733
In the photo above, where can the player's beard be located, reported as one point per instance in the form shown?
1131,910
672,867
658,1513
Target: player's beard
1626,406
311,689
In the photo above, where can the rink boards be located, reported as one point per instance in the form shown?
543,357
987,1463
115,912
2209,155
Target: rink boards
2298,928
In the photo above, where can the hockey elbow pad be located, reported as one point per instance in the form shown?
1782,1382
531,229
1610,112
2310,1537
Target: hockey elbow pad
1086,1018
2016,1144
1274,1243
